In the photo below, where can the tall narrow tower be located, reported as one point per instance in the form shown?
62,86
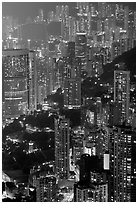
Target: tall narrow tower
72,81
62,144
122,92
81,49
32,81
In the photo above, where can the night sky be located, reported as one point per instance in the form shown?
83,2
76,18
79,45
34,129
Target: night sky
22,10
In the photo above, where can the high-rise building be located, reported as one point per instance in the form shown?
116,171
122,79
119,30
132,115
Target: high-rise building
62,145
114,114
32,81
93,185
115,50
97,64
122,92
81,49
122,164
91,193
72,83
46,80
72,93
133,167
92,112
71,52
77,144
106,55
19,82
123,46
72,28
46,188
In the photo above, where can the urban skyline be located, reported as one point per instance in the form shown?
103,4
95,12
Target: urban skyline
69,101
22,10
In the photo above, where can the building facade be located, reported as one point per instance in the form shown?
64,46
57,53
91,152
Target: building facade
81,49
72,83
19,82
46,189
122,92
92,193
122,164
62,145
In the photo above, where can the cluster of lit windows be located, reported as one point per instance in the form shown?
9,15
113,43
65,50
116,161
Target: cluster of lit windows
15,107
121,89
62,135
122,155
12,85
97,193
72,92
18,88
15,66
80,46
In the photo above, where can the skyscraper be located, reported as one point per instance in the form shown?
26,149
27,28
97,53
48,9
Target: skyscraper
81,49
71,51
122,164
77,141
19,77
72,90
19,82
72,83
32,82
62,145
122,92
72,28
114,114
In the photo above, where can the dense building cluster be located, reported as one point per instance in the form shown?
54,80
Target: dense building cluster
53,73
